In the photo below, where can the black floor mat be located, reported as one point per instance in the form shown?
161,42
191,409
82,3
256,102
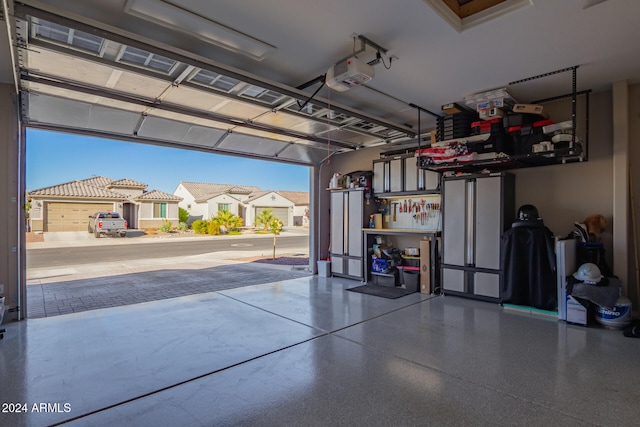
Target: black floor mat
381,291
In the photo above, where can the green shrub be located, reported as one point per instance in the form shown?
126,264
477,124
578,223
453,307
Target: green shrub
182,226
166,226
200,226
224,221
214,227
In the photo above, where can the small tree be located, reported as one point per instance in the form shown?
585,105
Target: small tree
275,226
265,218
27,217
183,215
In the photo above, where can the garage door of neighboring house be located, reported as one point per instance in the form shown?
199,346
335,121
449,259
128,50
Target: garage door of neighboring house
71,216
281,213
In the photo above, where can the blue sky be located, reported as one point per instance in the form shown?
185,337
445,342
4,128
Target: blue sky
54,158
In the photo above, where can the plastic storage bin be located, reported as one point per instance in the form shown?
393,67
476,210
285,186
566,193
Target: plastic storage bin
410,278
324,268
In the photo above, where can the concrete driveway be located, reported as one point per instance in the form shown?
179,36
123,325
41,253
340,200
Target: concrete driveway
76,288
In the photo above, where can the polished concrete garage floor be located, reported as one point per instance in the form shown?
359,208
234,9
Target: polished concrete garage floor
307,352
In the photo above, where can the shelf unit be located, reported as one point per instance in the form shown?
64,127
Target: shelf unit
578,153
503,163
433,237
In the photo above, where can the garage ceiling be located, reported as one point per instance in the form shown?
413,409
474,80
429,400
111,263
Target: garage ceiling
156,71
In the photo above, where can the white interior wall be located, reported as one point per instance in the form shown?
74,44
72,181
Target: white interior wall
571,192
562,193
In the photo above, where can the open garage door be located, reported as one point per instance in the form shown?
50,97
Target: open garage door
61,216
281,213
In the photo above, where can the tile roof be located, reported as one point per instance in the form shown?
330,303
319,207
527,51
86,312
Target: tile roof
77,189
203,191
297,197
257,195
158,195
98,181
126,183
100,187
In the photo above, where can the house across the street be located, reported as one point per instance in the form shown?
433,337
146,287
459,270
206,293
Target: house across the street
67,206
300,201
204,200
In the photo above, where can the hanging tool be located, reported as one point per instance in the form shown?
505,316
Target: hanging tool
394,210
405,205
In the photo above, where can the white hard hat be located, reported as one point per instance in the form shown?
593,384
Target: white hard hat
588,273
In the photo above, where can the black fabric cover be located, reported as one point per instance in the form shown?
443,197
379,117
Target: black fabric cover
528,262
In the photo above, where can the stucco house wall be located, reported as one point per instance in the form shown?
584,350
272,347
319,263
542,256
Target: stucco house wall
197,210
147,201
212,205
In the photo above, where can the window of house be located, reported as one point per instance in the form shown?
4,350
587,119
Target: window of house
223,207
159,210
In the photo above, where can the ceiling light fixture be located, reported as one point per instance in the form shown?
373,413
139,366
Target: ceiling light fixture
176,18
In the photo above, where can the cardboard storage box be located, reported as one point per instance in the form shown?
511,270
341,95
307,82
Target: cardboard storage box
453,108
425,266
529,109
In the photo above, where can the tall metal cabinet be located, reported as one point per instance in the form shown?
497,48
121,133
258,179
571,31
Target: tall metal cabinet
477,209
348,217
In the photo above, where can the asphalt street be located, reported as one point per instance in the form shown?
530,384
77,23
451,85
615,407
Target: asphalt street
77,255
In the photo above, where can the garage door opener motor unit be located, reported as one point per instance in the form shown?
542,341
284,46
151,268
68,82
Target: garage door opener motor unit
349,73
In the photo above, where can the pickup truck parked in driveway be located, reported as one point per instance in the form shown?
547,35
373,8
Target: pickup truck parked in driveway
107,223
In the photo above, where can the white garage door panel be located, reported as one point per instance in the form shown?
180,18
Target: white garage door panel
60,216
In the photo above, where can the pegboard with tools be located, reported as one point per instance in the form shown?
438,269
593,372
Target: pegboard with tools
421,212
